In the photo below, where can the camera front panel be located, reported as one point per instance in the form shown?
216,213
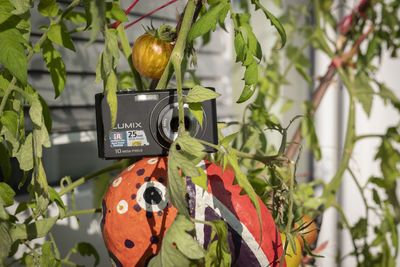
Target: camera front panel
146,124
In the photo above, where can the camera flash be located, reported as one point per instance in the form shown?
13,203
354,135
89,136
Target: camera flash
146,97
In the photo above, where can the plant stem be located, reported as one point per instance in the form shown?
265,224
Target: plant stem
81,212
84,179
177,56
325,81
334,184
69,263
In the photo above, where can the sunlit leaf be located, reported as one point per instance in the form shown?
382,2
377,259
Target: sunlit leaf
6,195
199,94
56,67
207,22
48,8
178,246
97,16
12,53
58,35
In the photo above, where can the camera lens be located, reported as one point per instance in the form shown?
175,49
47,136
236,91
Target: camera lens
168,122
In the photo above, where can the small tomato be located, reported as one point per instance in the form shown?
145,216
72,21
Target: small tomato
150,55
292,259
307,228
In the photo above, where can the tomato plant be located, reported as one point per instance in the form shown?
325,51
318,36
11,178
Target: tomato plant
369,29
150,55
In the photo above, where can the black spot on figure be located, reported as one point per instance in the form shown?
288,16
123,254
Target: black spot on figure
149,215
140,172
133,196
161,180
159,213
137,208
129,243
138,185
147,179
152,195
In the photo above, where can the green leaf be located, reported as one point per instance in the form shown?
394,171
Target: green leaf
176,183
25,154
41,138
55,197
5,240
218,252
35,112
87,249
40,189
5,163
359,230
286,106
187,166
247,92
207,22
60,36
9,119
200,180
114,11
244,183
48,8
199,94
34,230
56,67
178,246
228,139
251,74
364,91
303,73
47,258
21,6
125,80
251,40
309,134
6,195
111,93
274,21
46,114
108,60
12,53
240,46
191,146
97,15
6,10
197,111
76,17
100,188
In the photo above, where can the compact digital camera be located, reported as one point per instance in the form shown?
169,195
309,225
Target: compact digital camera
147,124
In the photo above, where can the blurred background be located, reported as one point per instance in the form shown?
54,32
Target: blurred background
74,149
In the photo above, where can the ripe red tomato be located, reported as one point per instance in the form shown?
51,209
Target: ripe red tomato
307,229
150,55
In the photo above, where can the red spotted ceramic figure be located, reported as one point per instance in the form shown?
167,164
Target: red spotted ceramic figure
136,204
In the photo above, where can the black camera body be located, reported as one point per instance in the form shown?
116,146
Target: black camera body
147,124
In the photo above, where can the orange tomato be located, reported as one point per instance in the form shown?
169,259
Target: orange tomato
150,55
292,259
306,228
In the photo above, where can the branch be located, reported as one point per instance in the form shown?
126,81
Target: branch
316,100
84,179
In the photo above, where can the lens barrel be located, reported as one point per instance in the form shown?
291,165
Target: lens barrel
168,122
